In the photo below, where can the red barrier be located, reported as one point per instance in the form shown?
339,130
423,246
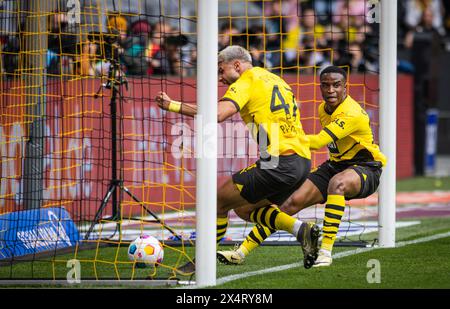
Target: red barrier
77,160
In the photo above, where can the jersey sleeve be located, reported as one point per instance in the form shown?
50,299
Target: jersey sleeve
340,126
238,93
317,141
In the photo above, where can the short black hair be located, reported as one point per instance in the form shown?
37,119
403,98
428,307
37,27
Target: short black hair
334,69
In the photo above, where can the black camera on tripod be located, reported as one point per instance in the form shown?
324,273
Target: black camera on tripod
109,51
108,44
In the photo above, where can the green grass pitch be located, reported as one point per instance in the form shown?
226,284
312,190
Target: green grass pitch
422,265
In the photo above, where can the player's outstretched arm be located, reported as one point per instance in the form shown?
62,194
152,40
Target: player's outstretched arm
317,141
166,103
224,111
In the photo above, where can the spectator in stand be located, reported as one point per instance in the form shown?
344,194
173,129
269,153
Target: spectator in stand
154,52
447,17
425,43
134,57
353,10
96,55
256,47
87,58
119,24
190,61
153,47
61,45
112,48
228,34
311,57
427,25
415,10
168,59
358,62
310,27
273,33
10,51
324,9
3,41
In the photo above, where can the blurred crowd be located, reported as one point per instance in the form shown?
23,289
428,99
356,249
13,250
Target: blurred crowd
311,34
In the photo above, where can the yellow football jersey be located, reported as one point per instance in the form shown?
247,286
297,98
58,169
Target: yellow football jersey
268,107
349,128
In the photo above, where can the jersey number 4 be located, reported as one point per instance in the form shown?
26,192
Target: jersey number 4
277,102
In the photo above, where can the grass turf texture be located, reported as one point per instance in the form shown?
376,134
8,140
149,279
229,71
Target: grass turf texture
423,265
424,184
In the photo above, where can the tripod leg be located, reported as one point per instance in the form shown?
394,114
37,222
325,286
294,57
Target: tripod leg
151,213
105,200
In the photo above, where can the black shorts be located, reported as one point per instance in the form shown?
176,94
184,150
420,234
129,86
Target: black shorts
275,184
369,184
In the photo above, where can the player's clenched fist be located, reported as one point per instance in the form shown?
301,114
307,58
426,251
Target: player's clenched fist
163,100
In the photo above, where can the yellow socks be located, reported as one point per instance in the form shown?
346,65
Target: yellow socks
255,238
222,224
272,217
334,210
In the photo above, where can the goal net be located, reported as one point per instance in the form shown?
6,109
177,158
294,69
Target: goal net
296,39
89,162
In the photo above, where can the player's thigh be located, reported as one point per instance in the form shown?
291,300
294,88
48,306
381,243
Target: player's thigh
306,195
229,197
276,184
347,182
369,177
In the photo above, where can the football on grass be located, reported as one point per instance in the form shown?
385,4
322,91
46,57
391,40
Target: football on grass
146,251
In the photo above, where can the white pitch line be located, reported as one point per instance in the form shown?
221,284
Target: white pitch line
335,256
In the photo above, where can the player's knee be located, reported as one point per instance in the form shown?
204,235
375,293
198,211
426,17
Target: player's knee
337,185
222,206
293,204
243,213
221,211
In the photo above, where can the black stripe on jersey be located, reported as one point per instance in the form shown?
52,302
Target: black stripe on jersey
335,207
232,101
365,156
338,157
334,137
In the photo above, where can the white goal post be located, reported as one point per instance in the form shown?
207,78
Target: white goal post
206,141
207,30
388,122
